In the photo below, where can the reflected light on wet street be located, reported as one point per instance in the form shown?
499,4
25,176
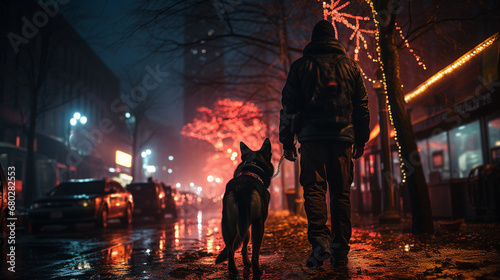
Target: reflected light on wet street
146,249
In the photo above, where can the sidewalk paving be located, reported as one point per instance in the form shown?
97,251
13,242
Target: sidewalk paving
377,252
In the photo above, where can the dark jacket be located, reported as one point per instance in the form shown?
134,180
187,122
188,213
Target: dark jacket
300,85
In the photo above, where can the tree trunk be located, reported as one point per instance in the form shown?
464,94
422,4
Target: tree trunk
415,180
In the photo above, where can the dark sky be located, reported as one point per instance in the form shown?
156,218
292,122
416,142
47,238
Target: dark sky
102,24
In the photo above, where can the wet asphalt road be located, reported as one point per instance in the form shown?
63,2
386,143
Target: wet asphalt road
144,250
186,248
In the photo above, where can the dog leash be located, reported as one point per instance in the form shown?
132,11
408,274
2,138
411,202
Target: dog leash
281,160
279,165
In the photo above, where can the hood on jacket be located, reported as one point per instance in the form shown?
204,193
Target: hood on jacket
323,40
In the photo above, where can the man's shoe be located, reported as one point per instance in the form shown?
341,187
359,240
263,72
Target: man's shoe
339,260
317,257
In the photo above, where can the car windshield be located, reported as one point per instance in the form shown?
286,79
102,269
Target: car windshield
78,188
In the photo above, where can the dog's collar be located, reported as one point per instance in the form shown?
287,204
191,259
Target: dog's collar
253,175
252,163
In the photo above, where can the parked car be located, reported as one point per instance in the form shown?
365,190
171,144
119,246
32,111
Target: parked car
149,199
86,200
170,202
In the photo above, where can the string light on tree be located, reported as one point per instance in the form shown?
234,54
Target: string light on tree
389,109
333,10
407,44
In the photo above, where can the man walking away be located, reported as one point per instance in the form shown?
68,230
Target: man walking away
325,104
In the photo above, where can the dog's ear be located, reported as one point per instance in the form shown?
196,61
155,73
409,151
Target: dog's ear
245,151
266,147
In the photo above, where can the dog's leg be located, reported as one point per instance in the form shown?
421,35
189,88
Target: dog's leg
230,233
231,240
231,265
257,235
244,251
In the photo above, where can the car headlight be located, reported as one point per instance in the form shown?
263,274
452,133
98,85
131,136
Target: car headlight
86,203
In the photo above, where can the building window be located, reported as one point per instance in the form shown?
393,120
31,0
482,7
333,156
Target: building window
465,149
438,158
494,135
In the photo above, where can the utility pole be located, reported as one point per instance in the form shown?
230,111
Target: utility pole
389,214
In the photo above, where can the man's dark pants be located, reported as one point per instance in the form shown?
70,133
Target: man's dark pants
329,162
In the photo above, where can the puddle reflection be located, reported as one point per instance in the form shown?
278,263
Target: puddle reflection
141,250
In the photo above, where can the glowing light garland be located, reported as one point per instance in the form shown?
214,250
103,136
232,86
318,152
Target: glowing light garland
459,62
334,11
381,65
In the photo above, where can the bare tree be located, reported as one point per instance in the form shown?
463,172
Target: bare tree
40,69
138,113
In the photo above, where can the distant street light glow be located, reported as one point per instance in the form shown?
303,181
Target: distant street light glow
77,117
151,168
170,157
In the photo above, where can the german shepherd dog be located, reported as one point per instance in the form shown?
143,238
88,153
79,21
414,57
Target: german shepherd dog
245,203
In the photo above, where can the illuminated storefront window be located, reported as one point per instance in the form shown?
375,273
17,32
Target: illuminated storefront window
465,149
438,158
494,134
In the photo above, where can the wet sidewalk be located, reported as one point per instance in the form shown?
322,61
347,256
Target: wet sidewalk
471,251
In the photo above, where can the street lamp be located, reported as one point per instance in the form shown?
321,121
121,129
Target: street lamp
77,118
148,169
74,121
